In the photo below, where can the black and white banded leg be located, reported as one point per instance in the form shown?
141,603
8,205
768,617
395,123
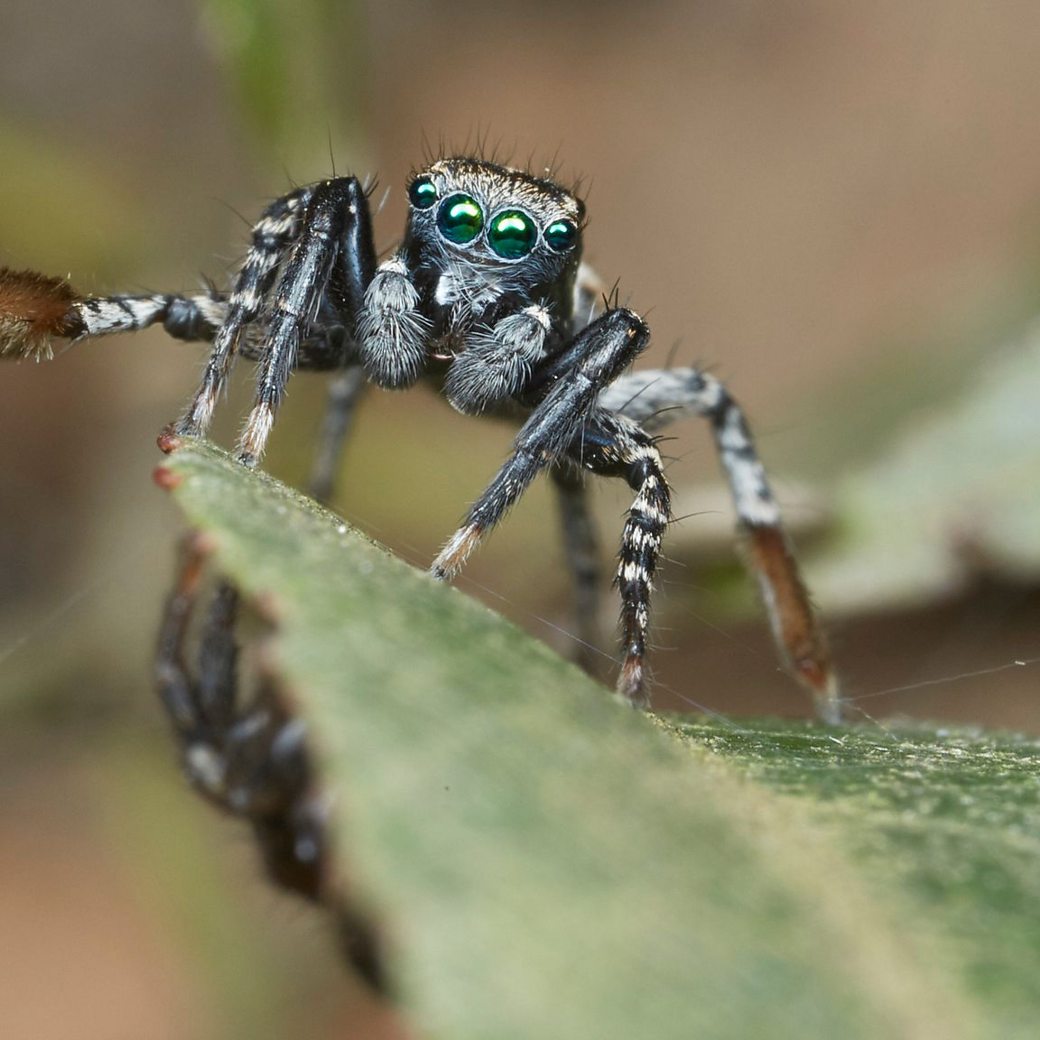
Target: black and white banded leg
612,445
332,251
656,398
251,759
272,233
35,310
597,355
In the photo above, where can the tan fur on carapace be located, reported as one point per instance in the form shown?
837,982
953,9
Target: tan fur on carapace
33,309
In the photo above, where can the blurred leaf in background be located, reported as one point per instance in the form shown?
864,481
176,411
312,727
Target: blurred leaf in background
955,498
298,72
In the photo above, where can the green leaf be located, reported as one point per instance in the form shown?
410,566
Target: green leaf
949,824
549,863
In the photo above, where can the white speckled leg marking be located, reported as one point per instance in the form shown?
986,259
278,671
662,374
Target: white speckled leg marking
656,398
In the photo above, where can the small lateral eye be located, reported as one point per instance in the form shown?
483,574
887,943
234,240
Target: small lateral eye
460,219
561,235
423,193
512,234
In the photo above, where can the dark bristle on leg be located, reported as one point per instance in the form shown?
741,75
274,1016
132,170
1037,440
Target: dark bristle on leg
34,310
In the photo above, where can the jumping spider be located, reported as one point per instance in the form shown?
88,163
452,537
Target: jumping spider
486,297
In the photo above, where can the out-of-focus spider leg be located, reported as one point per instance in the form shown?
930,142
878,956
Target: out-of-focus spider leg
251,760
345,392
582,557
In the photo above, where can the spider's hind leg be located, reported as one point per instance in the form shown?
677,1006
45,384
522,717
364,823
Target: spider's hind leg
656,398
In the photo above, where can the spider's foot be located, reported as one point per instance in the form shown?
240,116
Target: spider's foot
196,419
632,682
186,426
819,677
455,553
255,433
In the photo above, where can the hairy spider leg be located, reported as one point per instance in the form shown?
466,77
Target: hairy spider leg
332,252
656,398
36,309
596,356
251,762
344,394
273,232
611,445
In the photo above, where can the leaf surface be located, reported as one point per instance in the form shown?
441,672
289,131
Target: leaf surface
547,862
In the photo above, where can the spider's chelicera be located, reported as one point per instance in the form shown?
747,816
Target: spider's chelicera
486,296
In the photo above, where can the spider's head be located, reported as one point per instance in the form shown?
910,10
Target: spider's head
483,230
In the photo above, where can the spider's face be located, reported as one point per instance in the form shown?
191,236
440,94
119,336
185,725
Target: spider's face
484,230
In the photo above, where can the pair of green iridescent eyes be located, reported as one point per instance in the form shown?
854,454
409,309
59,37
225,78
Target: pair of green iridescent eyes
511,233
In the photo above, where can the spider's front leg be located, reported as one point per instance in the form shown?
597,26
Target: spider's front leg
595,357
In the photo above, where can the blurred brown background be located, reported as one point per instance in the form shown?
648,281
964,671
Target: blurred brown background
836,206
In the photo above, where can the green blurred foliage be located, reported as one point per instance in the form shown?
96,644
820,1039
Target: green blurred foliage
298,71
48,186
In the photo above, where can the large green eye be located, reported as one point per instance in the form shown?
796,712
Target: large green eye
561,235
512,234
460,219
423,193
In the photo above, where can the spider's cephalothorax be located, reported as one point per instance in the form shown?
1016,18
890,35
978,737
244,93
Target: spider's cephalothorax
486,297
